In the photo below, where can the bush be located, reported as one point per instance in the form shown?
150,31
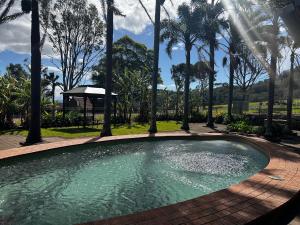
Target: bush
221,117
240,126
198,117
71,119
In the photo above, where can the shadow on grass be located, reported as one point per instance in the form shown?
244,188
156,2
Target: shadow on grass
11,132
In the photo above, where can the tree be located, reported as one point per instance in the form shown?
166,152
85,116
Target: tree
130,59
106,131
233,44
75,32
153,127
34,134
201,73
184,30
248,70
178,74
291,87
5,6
51,80
212,25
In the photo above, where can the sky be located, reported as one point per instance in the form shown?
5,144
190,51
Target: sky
15,39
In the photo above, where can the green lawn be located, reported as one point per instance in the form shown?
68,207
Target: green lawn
75,132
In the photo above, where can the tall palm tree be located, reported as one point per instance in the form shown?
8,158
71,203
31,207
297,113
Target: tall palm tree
106,131
291,88
5,6
271,36
153,127
185,30
212,26
233,63
34,134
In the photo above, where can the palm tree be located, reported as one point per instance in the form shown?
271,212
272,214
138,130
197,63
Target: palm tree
106,131
153,127
6,5
271,36
212,25
291,88
34,134
233,62
53,82
184,30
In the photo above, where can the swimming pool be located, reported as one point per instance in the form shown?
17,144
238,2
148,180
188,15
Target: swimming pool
92,182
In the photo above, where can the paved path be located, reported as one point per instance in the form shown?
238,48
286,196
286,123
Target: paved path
13,141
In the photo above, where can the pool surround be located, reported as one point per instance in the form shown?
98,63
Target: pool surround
261,199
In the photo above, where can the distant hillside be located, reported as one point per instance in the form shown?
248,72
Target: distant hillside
259,91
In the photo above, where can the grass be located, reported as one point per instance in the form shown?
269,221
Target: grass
75,132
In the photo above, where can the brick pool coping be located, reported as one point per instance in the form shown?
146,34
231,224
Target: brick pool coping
268,197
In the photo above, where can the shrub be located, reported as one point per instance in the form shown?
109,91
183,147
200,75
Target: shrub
198,117
240,126
221,117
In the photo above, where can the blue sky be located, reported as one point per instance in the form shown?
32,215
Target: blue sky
15,39
146,37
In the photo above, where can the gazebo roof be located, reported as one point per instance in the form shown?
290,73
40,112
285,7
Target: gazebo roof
87,92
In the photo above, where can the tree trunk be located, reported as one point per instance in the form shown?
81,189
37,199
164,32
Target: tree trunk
185,123
153,127
210,122
231,77
290,92
177,104
34,134
271,96
53,103
106,131
273,72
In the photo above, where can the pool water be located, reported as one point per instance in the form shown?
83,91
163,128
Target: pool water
92,182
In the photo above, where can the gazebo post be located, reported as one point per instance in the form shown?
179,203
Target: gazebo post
84,111
115,109
93,109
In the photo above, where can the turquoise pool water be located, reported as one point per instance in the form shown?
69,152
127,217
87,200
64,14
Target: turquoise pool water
91,182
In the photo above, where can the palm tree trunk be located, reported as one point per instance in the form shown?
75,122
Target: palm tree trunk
53,102
106,131
210,122
273,72
291,90
185,123
271,96
153,127
34,135
231,77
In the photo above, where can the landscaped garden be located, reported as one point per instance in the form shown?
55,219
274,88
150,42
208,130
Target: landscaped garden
149,112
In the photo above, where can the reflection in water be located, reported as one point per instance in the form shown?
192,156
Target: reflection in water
91,182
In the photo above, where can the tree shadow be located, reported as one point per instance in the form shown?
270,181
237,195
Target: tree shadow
72,130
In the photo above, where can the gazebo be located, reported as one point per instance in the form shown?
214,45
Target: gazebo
92,93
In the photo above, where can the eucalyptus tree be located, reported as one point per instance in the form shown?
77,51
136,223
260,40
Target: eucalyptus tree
5,8
248,71
201,73
213,23
75,32
178,74
184,30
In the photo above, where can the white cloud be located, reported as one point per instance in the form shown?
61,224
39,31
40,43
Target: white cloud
15,36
